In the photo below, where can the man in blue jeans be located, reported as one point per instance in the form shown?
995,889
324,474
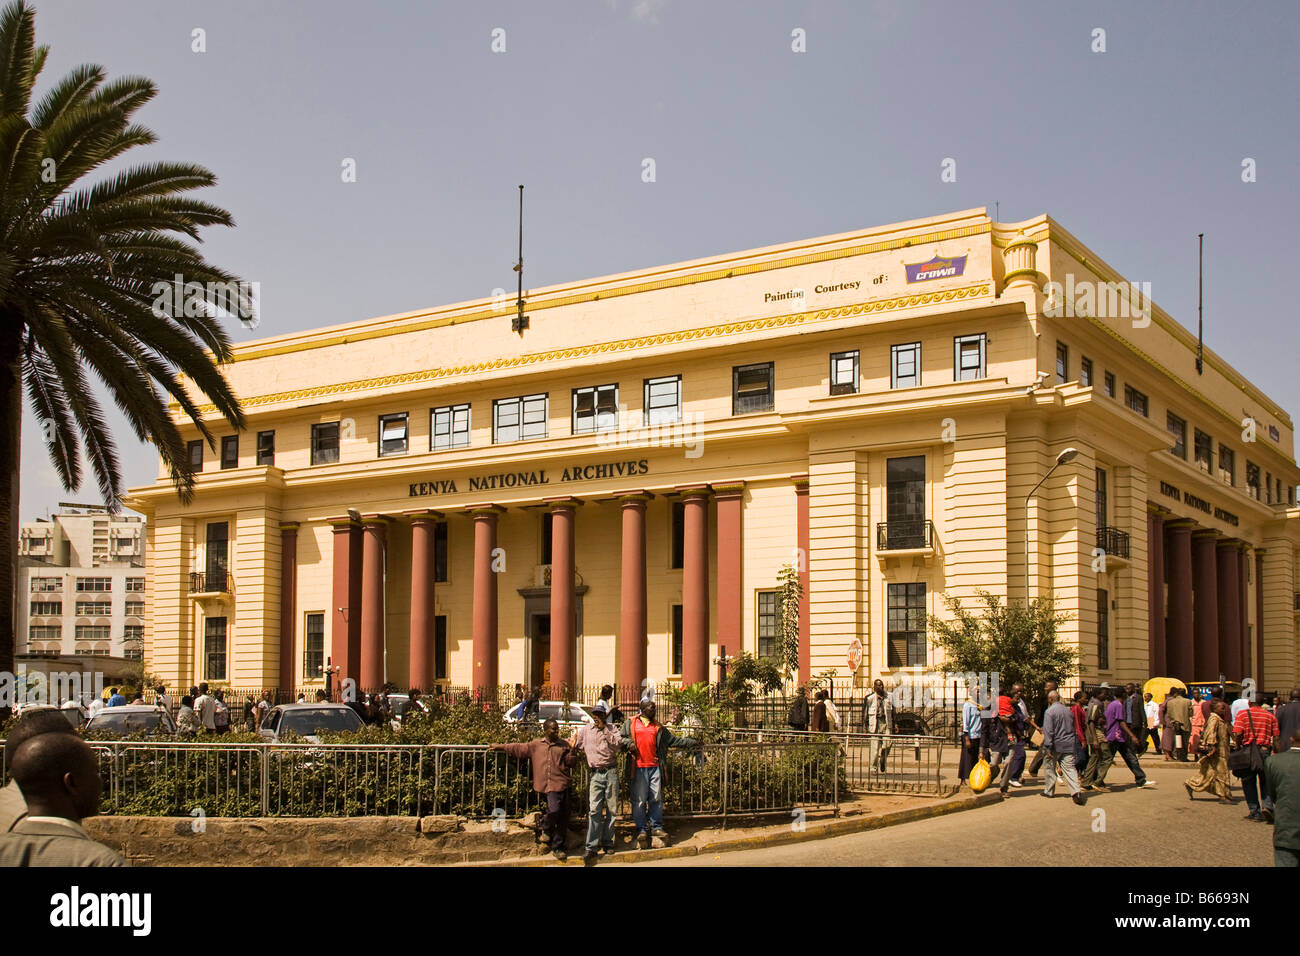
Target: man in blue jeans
648,742
601,743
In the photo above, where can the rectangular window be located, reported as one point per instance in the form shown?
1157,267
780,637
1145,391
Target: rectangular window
266,448
1101,498
94,608
968,357
392,434
196,454
1203,450
133,642
135,584
1085,372
1110,385
313,651
216,556
906,625
47,584
1178,428
1227,465
1252,479
229,451
677,553
325,443
89,633
905,365
595,409
844,373
1268,487
663,400
753,388
440,647
134,609
440,552
905,502
94,584
769,623
45,632
214,648
1103,630
449,427
1062,362
519,419
676,663
45,608
1136,401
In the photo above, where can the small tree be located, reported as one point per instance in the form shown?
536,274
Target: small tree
1016,642
790,594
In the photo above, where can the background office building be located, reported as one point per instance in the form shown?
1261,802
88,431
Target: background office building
611,493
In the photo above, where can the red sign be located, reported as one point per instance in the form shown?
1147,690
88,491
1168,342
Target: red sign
855,655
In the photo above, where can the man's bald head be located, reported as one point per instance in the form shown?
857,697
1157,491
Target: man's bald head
58,775
32,725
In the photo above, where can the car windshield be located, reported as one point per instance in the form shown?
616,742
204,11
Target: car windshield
119,723
307,723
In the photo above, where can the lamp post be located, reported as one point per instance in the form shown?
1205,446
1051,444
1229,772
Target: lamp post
1064,457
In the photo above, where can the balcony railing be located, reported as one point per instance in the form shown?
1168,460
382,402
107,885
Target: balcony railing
904,535
1113,541
211,582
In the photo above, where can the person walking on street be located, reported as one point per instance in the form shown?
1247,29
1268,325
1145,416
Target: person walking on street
1100,756
1037,762
878,720
1015,722
970,739
1058,747
832,712
1212,768
649,742
1289,722
601,743
1178,716
1153,721
1122,738
1136,716
552,760
797,718
820,724
1283,770
1079,710
1200,714
205,710
995,738
1256,727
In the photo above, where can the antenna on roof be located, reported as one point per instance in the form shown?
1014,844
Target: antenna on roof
1200,333
520,321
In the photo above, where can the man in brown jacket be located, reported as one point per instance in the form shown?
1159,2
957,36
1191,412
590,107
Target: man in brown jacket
552,759
1178,711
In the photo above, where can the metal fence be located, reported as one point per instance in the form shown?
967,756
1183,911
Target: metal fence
877,763
739,778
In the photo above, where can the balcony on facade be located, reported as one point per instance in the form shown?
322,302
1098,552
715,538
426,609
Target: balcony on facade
903,538
1114,542
209,583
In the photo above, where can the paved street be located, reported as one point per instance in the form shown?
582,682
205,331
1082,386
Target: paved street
1141,827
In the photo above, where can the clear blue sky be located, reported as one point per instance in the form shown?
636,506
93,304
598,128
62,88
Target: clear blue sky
1135,150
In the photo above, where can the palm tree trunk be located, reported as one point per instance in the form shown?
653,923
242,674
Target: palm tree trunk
11,408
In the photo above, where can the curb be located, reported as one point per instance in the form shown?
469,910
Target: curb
816,831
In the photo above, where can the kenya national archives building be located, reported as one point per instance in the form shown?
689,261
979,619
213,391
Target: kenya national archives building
611,494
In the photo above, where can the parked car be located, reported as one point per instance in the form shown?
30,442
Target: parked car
133,719
575,717
71,710
308,721
400,704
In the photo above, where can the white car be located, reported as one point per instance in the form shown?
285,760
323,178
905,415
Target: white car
547,709
72,711
308,720
131,719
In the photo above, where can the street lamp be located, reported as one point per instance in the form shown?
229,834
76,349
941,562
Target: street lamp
1066,456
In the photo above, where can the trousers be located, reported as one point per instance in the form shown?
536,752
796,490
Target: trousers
1098,763
556,820
1063,759
647,799
602,804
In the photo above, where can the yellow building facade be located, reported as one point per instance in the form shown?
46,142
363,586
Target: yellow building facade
610,494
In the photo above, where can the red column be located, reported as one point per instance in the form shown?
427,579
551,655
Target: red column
1178,639
375,534
802,536
632,594
1205,612
695,587
1156,665
345,597
484,676
730,499
288,603
422,624
564,619
1243,634
1229,566
1258,672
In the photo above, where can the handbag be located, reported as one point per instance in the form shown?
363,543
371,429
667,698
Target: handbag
1247,760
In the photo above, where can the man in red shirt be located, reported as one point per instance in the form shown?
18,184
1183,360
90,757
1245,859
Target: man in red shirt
648,741
1256,727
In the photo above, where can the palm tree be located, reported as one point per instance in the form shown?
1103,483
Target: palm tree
81,269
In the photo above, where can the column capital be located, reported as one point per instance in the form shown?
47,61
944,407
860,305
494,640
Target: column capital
289,526
634,498
562,501
692,491
1181,524
484,511
344,523
1160,511
729,489
1204,533
378,521
424,514
800,483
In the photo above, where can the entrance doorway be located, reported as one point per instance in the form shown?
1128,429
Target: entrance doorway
539,637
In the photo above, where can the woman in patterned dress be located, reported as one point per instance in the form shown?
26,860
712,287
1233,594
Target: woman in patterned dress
1216,743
